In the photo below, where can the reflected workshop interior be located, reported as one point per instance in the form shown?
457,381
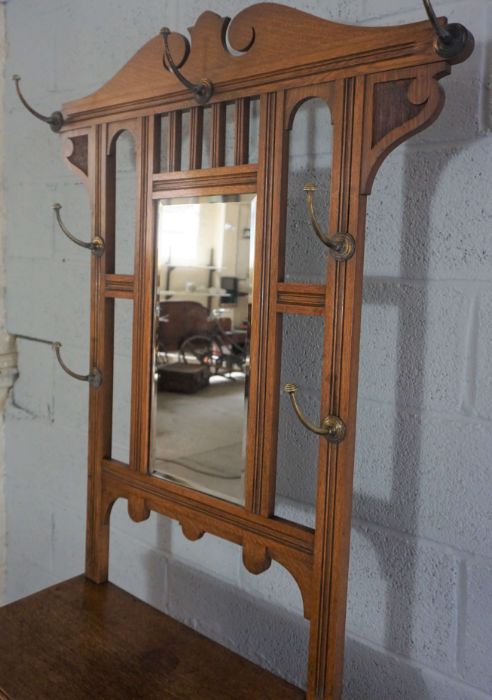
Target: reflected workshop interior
204,282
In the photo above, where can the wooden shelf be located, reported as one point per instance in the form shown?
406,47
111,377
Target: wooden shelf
80,641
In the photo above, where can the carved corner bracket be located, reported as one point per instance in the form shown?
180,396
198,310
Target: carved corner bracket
76,152
398,104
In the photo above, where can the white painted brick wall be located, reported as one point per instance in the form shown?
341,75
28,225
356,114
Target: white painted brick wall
420,598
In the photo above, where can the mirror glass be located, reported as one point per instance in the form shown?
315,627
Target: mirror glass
204,282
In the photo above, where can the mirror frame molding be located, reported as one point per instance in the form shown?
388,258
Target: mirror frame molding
381,84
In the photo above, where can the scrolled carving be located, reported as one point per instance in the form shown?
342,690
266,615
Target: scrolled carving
241,34
263,35
257,559
401,103
393,106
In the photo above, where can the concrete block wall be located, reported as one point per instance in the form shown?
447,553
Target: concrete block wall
7,354
3,518
420,596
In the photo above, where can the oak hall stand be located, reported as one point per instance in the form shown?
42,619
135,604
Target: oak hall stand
86,638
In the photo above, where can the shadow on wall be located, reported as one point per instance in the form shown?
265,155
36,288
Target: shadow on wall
370,675
267,634
399,569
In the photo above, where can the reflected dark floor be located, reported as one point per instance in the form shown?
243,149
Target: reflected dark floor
200,438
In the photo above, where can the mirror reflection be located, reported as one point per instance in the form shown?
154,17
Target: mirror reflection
202,328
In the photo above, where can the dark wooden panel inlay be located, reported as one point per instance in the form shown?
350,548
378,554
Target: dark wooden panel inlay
392,107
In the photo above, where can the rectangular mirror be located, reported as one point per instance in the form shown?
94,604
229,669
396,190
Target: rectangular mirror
203,300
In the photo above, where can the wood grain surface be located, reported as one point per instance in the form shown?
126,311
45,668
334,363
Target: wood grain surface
83,641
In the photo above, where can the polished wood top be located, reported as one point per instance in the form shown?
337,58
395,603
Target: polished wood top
80,641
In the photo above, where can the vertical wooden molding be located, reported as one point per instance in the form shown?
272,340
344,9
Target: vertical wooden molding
101,355
339,397
241,143
266,326
143,317
175,132
217,143
196,138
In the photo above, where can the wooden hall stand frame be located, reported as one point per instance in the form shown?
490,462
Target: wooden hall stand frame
381,85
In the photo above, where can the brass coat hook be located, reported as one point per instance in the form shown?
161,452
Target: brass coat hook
202,91
55,121
341,245
96,246
451,39
332,427
94,378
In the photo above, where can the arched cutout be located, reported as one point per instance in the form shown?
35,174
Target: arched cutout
122,184
310,160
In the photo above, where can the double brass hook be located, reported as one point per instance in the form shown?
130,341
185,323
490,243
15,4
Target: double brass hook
96,246
55,120
341,245
332,427
451,39
202,91
94,378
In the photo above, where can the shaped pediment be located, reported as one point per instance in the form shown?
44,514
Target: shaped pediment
264,43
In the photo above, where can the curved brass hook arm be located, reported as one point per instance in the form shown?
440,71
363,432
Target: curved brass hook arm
94,378
96,246
332,427
341,245
451,39
55,121
203,91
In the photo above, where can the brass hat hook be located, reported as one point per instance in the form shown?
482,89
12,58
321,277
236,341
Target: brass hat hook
55,121
451,39
96,246
202,91
332,427
341,245
94,378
